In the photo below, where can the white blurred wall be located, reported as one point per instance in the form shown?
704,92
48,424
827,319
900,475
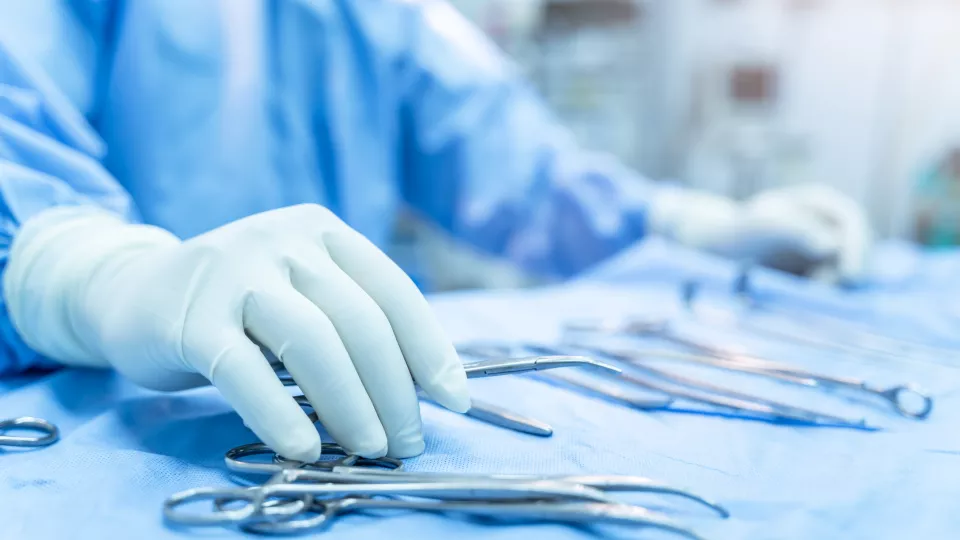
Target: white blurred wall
865,99
859,94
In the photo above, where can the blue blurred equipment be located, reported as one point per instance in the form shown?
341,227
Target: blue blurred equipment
846,334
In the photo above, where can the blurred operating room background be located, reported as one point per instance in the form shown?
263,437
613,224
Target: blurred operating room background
736,96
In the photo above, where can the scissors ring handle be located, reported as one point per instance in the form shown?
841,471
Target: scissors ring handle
236,460
173,513
50,432
273,508
319,514
345,460
903,396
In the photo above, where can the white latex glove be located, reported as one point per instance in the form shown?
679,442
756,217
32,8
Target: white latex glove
807,229
87,289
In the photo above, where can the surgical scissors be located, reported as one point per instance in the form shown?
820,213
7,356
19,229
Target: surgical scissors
256,497
556,498
899,397
354,469
300,496
351,469
475,500
50,433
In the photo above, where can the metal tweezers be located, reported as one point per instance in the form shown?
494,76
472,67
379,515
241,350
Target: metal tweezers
488,412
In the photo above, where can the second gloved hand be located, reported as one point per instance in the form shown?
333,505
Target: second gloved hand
85,288
807,229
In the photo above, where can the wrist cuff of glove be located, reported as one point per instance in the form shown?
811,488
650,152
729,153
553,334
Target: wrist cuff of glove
667,210
693,218
52,259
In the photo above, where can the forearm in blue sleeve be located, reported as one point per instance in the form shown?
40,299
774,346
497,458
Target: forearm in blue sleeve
485,159
49,157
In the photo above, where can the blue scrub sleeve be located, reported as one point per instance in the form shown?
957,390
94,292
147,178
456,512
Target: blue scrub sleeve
485,159
49,156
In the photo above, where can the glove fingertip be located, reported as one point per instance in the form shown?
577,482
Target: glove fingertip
305,447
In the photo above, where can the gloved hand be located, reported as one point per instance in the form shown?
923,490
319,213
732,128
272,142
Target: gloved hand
807,229
85,288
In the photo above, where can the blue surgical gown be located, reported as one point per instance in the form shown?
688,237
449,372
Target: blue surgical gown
190,114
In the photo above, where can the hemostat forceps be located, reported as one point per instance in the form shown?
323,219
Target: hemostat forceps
300,496
605,483
704,392
907,400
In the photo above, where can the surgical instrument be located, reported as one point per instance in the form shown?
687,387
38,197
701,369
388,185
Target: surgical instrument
690,293
566,512
296,490
300,496
499,416
252,516
479,410
354,469
867,338
899,397
710,394
50,433
505,418
480,490
605,483
488,412
681,388
488,349
491,367
857,340
501,366
235,460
